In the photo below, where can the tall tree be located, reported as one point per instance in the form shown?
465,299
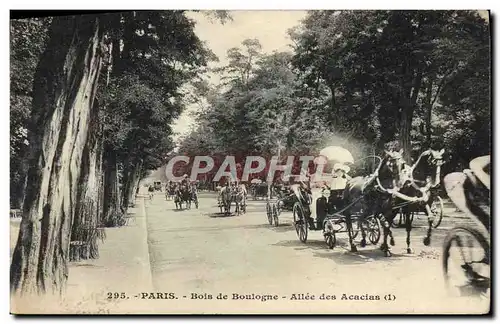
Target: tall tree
63,95
27,42
387,67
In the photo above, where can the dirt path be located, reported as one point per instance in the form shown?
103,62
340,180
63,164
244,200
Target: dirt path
197,256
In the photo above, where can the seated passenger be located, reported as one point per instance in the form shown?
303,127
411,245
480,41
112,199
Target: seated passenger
337,185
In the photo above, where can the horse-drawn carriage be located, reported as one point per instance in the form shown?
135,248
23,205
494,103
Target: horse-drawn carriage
316,210
283,201
366,204
258,189
229,194
186,193
157,186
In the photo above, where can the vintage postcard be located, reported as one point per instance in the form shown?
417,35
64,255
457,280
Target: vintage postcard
250,162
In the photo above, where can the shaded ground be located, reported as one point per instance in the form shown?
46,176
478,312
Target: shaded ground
193,252
194,256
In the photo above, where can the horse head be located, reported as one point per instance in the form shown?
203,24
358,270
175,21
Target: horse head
436,157
395,161
436,160
430,169
391,168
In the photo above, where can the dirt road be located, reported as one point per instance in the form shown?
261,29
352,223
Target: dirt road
237,264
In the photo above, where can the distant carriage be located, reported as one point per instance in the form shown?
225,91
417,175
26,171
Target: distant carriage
259,189
157,186
283,201
239,195
230,194
170,190
194,194
183,196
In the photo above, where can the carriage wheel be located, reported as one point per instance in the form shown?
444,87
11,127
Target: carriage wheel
275,216
329,233
466,262
372,227
269,214
437,209
300,222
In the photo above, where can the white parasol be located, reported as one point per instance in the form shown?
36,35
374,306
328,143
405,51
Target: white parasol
256,181
338,154
342,167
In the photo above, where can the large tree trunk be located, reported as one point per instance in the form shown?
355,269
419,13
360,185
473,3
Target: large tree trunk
409,100
135,182
405,131
100,187
85,224
428,111
64,91
111,204
130,183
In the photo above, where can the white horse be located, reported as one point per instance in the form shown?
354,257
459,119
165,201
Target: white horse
239,197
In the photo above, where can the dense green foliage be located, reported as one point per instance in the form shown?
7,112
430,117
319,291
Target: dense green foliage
27,42
361,79
149,58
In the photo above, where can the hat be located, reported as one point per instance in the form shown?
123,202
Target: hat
342,167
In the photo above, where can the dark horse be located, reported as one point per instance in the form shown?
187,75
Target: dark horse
423,180
182,195
370,196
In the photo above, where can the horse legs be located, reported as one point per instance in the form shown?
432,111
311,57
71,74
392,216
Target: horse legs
348,221
387,232
430,219
408,226
362,228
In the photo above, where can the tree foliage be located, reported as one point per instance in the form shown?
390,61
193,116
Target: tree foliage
360,79
28,38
